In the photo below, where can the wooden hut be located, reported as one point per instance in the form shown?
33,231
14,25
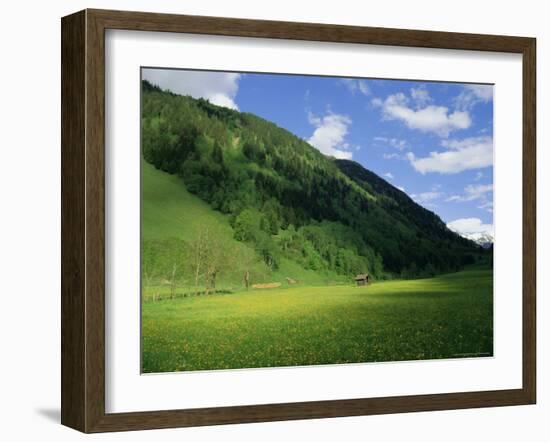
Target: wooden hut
362,279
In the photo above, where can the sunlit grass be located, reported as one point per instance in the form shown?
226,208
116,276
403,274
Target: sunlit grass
443,317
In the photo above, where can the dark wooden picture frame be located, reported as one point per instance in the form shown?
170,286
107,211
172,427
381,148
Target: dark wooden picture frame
83,220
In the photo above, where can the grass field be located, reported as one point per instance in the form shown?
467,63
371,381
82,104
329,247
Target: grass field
444,317
169,210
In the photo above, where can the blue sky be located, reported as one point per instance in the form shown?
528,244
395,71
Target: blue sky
432,140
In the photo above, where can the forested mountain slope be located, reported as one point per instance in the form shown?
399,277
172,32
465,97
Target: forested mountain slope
287,201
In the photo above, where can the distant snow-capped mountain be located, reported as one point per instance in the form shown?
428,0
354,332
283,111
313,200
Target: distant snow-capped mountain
473,229
484,239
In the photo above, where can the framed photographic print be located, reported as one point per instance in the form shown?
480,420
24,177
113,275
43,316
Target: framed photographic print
269,220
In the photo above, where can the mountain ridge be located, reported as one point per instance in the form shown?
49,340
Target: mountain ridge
484,239
287,199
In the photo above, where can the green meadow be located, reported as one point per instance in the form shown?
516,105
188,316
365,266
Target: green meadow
232,204
449,316
323,319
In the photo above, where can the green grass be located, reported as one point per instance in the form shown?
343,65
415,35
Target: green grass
311,323
169,210
443,317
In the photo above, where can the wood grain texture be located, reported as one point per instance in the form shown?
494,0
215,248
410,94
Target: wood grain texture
83,220
144,21
73,253
95,221
529,220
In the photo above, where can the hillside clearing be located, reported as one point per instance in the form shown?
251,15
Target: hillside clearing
169,211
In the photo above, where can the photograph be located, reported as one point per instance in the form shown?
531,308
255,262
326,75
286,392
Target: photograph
258,222
299,220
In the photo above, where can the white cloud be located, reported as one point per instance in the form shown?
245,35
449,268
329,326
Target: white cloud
355,86
401,188
487,205
482,91
420,96
478,192
470,153
389,175
472,95
313,119
391,156
330,135
426,196
219,88
469,226
377,102
473,192
363,87
398,144
436,119
220,99
393,142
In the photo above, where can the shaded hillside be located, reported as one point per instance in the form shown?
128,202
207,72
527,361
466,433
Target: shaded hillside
288,201
400,205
